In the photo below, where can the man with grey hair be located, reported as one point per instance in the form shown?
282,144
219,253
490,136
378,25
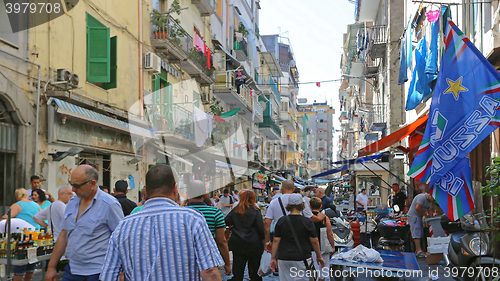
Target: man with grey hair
88,222
55,212
276,210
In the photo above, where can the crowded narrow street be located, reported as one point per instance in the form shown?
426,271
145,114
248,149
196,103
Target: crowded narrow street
249,140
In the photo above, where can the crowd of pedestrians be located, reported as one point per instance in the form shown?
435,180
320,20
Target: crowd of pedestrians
104,237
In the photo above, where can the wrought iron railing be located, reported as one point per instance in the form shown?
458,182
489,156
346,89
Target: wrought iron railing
269,123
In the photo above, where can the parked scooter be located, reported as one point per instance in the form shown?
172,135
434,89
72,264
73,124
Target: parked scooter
470,255
342,233
390,233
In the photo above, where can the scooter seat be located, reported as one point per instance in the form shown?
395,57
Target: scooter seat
455,240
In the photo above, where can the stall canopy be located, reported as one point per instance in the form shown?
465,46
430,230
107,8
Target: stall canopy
393,138
336,170
359,160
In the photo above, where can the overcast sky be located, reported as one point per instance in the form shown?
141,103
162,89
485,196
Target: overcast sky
315,29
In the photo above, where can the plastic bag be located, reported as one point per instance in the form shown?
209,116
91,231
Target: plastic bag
360,253
265,264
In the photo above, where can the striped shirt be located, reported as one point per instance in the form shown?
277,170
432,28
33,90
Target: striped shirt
162,242
212,215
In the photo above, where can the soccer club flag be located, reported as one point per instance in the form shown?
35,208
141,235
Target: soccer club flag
464,108
453,192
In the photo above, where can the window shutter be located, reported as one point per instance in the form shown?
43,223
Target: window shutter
114,67
156,89
196,99
98,52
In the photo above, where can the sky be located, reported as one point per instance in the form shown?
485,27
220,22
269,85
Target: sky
315,29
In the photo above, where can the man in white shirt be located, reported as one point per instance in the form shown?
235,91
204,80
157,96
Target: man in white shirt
55,212
35,184
362,200
275,212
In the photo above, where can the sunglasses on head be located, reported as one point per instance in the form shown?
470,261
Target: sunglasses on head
76,185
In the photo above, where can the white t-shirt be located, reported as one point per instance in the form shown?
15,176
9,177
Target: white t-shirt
274,211
363,199
15,225
29,191
54,214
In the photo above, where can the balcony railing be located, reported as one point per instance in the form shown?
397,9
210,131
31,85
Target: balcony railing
259,112
378,40
227,81
269,123
241,49
173,118
377,114
170,29
274,87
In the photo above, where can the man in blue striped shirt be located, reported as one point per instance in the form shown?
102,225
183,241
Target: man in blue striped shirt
163,241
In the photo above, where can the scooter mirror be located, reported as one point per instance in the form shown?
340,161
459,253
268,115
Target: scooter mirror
396,208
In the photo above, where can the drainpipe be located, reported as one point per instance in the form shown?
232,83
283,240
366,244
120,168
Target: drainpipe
141,72
37,105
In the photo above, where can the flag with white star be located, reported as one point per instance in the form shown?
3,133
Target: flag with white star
464,111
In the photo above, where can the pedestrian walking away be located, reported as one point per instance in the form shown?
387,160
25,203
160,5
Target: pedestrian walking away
246,241
163,241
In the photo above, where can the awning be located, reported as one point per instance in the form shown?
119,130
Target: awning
273,64
228,54
333,171
90,116
359,160
393,138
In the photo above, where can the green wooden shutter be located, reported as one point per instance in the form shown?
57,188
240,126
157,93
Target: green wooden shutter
98,52
157,89
196,98
114,67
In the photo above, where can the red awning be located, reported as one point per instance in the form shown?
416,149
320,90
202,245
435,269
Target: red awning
393,138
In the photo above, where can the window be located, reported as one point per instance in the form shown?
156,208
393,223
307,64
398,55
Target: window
6,34
101,55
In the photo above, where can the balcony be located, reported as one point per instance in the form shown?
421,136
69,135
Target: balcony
372,66
225,89
269,129
287,121
292,147
170,39
376,118
366,10
268,86
357,68
206,7
378,41
241,50
173,41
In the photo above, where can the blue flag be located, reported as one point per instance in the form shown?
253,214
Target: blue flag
464,109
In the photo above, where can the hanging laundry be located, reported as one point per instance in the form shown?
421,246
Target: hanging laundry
318,84
202,126
418,85
207,53
431,62
199,44
131,181
409,46
403,66
432,16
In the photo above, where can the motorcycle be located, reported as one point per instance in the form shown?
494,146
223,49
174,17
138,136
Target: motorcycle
390,233
342,233
470,255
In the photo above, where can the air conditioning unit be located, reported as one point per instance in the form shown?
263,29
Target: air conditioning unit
68,76
152,63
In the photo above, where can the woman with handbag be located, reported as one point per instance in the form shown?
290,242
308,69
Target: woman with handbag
325,237
247,236
294,237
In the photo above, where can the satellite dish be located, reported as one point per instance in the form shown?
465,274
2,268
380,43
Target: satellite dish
293,63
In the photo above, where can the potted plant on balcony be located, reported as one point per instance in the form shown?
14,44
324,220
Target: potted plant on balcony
159,22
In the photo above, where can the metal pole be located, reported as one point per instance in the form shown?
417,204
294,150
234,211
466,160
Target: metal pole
8,243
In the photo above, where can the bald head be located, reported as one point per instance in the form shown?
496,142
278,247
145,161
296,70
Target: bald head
64,194
320,192
287,187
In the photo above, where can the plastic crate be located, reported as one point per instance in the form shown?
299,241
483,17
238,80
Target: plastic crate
438,245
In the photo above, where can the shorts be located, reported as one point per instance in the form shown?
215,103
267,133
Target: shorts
416,227
22,269
70,277
292,270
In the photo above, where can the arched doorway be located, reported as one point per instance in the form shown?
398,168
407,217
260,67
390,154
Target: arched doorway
8,153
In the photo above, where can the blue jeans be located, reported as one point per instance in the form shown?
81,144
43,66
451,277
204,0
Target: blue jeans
22,269
70,277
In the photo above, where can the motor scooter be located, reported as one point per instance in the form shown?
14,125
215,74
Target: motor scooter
392,232
342,233
470,254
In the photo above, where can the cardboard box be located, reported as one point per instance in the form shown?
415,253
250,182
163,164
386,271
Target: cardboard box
434,258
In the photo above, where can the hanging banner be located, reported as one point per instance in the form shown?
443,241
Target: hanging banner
259,180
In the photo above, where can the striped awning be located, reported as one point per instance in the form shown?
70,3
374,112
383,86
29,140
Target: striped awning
87,115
